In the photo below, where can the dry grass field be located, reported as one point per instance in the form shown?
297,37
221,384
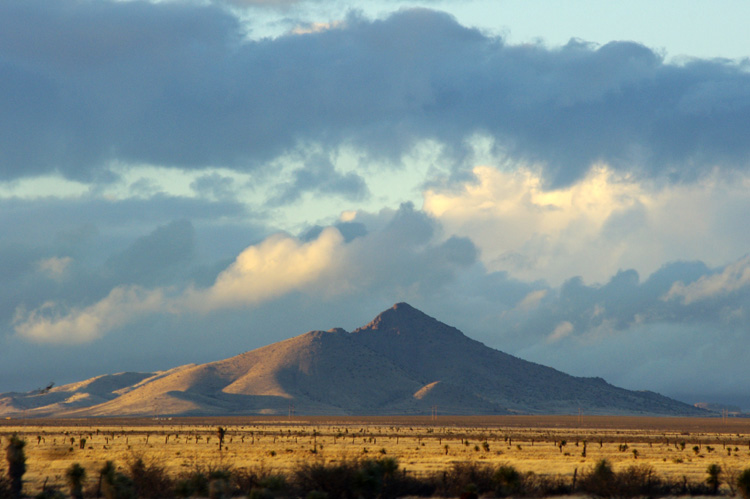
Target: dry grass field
546,445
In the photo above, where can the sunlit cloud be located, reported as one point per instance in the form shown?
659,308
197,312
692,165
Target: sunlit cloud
272,268
593,228
276,266
732,278
53,323
533,232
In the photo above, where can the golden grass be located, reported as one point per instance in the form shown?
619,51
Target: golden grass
422,445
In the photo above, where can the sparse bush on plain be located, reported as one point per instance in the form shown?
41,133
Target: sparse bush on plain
114,484
714,477
601,481
743,483
75,476
16,458
50,493
371,477
508,481
362,478
150,481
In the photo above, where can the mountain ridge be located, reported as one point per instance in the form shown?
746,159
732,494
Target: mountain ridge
401,362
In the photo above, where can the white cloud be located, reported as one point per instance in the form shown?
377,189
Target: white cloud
270,269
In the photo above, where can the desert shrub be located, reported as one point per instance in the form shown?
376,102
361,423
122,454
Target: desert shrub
365,478
246,479
75,475
714,477
4,486
150,481
600,481
219,482
259,484
508,481
16,465
743,483
115,485
534,485
50,493
209,482
468,476
637,481
191,484
333,480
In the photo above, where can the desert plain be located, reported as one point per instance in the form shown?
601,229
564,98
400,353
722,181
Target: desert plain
545,445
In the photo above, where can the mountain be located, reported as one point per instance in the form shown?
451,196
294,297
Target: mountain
403,362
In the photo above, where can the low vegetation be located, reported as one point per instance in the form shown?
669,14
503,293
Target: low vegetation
367,461
373,478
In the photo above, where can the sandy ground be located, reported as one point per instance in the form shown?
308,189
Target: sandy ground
548,446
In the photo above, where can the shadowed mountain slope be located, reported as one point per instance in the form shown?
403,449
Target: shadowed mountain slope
403,362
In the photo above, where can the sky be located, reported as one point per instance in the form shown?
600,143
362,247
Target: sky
182,181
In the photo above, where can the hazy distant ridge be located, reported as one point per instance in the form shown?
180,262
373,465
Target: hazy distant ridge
403,362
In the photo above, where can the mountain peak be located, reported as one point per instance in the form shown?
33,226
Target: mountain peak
403,362
399,315
403,319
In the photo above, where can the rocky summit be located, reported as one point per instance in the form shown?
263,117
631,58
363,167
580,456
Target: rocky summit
403,362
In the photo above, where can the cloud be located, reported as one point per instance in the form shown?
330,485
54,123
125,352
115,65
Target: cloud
404,255
48,324
214,185
731,279
150,259
54,267
179,84
562,330
318,175
621,329
605,222
272,268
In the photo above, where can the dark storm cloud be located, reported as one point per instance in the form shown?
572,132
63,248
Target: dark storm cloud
680,294
77,250
85,83
76,221
154,259
319,176
349,230
60,272
214,185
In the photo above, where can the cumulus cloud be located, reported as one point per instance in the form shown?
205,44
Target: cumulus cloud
50,324
272,268
404,255
86,85
407,254
276,266
604,222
